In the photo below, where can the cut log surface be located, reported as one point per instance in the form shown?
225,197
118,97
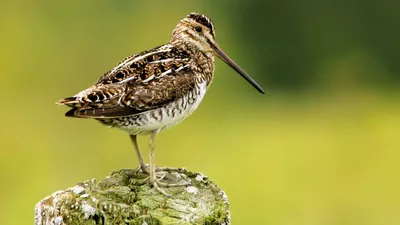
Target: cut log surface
125,197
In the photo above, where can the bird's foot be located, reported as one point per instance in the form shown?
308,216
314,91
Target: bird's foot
170,169
159,175
157,184
145,168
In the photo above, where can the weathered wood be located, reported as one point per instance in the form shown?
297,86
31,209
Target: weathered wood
124,197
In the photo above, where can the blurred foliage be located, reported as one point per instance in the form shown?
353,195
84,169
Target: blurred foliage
321,148
293,39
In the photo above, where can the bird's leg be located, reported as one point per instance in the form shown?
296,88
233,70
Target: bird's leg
143,166
153,177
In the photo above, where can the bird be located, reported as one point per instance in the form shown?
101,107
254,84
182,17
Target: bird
156,89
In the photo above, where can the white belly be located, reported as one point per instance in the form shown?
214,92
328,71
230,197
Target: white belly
165,117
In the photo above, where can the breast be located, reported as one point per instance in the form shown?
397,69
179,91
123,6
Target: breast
164,117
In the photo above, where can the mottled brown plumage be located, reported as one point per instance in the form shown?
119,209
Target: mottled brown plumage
156,89
160,76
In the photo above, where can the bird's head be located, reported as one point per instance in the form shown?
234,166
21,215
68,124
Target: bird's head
197,31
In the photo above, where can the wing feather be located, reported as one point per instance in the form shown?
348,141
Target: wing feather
113,112
149,64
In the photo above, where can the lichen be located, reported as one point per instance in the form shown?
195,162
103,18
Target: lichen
87,210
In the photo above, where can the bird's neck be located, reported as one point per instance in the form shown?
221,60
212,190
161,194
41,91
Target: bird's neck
203,66
202,62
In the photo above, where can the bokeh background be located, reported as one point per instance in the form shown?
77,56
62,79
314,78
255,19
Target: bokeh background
322,147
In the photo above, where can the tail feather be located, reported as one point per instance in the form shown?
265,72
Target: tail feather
70,101
71,113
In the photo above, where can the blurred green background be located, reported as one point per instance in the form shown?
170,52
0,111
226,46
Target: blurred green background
322,147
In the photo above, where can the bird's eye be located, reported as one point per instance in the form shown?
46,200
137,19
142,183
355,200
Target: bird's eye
198,29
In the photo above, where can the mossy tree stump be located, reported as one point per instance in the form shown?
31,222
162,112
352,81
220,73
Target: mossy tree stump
124,197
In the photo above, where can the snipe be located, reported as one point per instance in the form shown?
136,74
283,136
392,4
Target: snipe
156,89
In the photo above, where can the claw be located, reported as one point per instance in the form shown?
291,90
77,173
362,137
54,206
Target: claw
155,185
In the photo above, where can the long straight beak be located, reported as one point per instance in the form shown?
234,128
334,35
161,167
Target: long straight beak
224,57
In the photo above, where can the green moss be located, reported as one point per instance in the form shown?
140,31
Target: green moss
125,197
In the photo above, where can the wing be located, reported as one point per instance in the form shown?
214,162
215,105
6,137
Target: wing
139,83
